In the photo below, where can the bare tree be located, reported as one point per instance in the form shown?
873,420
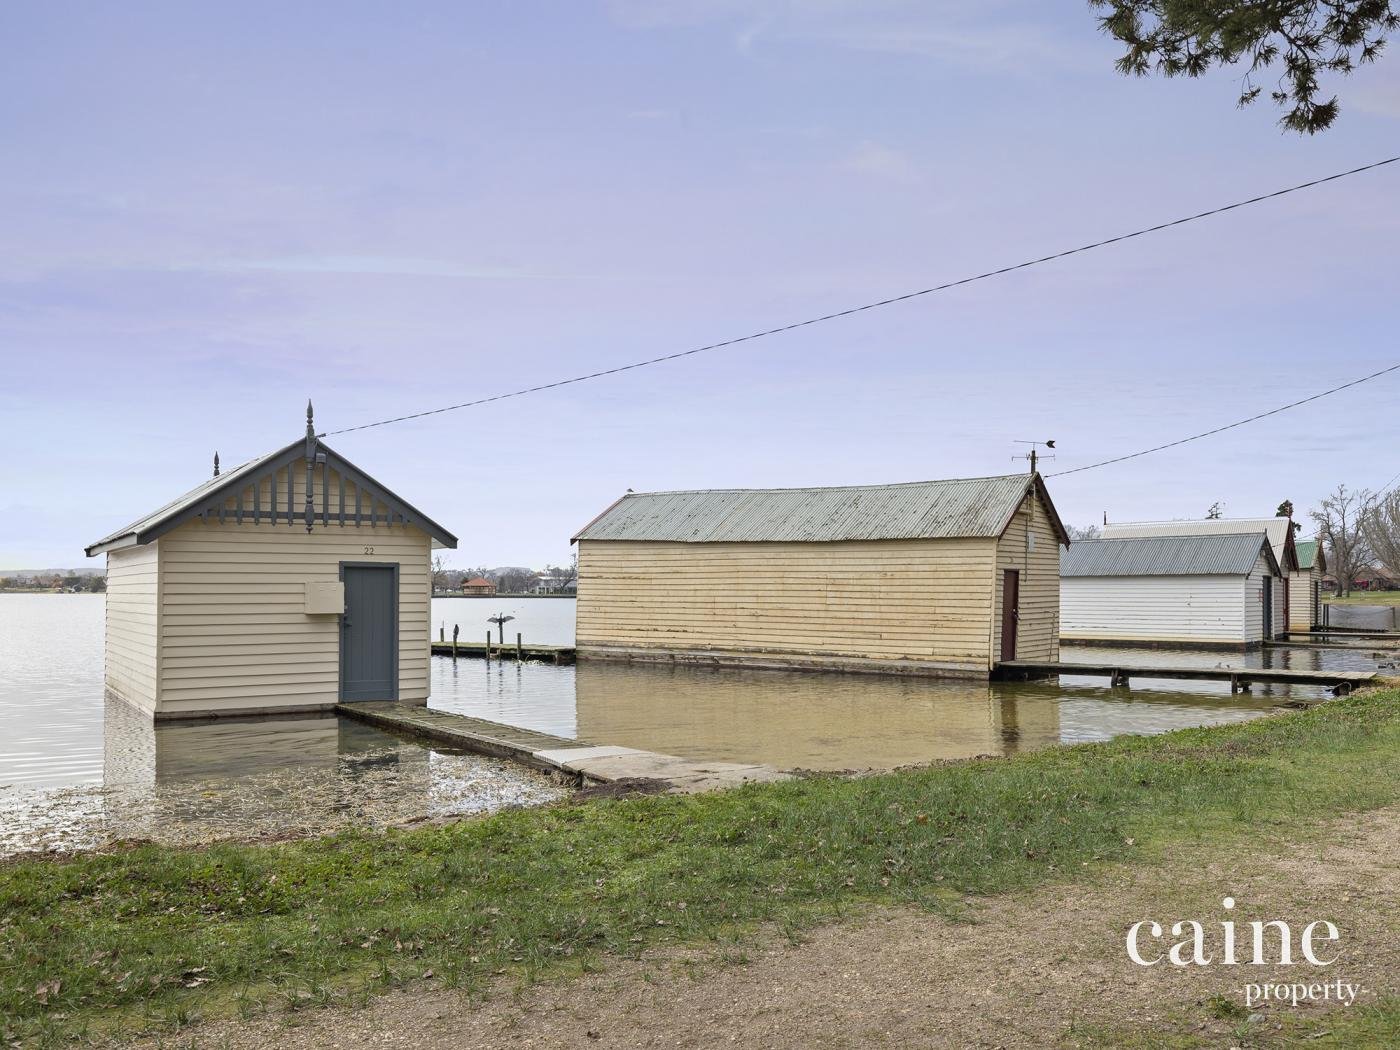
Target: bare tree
1339,523
1216,512
1083,532
439,573
1380,527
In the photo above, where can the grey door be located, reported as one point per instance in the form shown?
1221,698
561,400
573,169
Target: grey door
1268,607
369,633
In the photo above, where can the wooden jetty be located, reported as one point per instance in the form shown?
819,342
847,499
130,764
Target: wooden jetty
587,763
556,654
1240,678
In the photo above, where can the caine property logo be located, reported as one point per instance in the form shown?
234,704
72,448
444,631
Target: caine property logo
1270,943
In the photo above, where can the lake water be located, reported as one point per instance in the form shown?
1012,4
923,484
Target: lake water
77,771
64,753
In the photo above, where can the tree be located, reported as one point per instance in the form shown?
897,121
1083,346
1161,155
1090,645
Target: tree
1339,523
1301,38
514,581
1083,532
1380,526
439,573
1216,512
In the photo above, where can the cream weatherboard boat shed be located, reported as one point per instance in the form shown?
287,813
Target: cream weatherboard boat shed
941,578
291,583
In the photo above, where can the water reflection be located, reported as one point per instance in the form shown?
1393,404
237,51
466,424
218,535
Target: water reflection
196,782
824,721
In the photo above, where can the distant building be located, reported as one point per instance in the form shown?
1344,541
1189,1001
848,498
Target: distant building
290,583
1305,590
943,578
1217,590
478,587
1301,612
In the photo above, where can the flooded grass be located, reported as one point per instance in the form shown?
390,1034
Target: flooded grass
155,936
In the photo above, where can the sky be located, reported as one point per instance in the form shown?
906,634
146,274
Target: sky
210,213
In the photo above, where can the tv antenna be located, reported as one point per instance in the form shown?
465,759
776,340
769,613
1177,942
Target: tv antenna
1034,455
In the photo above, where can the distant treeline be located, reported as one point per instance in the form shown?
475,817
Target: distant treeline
68,583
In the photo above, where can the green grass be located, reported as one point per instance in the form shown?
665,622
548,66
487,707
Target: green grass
156,937
1373,1026
1366,598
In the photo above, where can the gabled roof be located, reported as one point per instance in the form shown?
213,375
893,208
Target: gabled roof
1277,529
478,581
1231,554
209,496
1310,553
956,508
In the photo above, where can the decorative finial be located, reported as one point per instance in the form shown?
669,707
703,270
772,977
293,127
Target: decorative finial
216,464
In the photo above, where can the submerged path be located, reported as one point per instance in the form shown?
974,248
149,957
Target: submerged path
1240,678
591,763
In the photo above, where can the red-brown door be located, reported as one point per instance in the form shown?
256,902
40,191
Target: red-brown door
1010,612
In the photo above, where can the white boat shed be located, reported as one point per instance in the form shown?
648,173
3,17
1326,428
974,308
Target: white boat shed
1215,591
289,584
1302,610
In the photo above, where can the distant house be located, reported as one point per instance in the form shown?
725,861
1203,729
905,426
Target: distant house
291,583
943,578
478,587
1300,611
1374,578
1218,590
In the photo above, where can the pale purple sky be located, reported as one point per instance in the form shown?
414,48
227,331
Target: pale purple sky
211,213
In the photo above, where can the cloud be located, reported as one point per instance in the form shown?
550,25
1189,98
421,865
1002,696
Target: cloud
882,162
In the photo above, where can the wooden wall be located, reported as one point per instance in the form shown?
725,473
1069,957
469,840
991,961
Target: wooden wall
1038,633
1303,609
1176,609
900,604
132,618
234,633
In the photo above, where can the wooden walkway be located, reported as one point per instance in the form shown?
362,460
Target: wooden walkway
1240,678
556,654
587,763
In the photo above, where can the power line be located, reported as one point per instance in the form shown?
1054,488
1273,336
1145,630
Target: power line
1228,426
874,305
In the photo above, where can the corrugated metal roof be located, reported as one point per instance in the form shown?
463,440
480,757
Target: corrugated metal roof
1230,554
1307,553
1275,528
144,529
962,507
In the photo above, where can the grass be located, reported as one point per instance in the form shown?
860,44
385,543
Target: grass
1365,598
1373,1026
154,937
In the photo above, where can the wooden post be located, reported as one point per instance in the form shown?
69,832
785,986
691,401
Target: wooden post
455,628
519,650
442,632
488,645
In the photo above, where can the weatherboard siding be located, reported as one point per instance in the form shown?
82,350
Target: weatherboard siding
920,602
132,619
1038,629
1176,609
1302,599
234,633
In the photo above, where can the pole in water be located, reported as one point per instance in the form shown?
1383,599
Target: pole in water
519,649
455,629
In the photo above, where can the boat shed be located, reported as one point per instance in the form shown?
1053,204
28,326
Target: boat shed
1305,587
1280,531
288,584
1208,591
942,578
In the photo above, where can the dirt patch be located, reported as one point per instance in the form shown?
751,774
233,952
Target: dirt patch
1035,969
